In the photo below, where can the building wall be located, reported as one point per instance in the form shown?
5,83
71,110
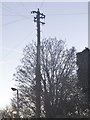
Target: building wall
83,62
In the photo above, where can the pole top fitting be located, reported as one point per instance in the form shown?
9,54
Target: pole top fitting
38,9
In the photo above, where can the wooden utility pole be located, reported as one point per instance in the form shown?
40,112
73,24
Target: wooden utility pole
38,75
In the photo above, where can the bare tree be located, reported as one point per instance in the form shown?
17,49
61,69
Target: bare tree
59,93
6,112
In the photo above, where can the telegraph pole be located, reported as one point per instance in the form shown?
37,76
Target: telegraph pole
38,75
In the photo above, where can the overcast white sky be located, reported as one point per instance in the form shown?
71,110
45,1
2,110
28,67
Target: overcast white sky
64,20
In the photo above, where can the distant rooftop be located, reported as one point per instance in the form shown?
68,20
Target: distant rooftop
85,50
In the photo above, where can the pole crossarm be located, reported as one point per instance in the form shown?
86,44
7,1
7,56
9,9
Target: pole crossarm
41,16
